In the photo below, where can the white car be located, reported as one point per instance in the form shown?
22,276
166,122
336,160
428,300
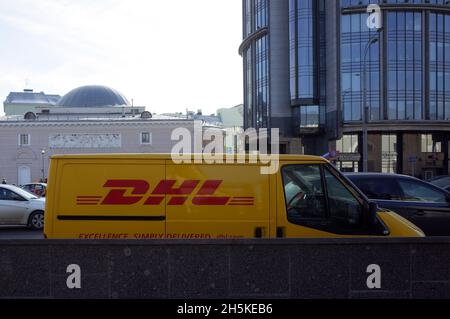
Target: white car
19,207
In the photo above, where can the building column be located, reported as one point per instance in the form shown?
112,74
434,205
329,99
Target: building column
446,151
400,167
279,81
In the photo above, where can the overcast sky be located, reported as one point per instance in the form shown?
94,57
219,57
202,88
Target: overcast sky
166,55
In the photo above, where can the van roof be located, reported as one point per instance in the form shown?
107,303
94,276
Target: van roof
169,157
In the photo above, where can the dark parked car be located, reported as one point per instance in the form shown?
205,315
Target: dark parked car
424,204
442,182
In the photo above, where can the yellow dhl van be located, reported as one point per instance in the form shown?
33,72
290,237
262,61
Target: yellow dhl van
151,197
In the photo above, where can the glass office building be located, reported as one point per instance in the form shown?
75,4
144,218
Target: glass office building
256,65
328,56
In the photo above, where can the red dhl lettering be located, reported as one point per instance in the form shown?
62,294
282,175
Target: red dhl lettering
132,192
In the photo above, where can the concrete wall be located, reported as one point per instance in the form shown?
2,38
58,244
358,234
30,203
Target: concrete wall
227,269
13,156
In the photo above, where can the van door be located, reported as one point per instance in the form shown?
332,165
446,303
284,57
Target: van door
217,201
315,202
110,199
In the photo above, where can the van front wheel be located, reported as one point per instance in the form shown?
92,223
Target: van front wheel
36,220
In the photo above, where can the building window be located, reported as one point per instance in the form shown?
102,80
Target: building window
310,116
248,80
24,140
262,81
348,156
256,15
355,35
404,62
429,145
146,138
348,144
439,67
353,3
257,84
256,61
389,153
261,14
302,53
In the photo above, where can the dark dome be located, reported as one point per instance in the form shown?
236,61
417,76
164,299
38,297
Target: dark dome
93,95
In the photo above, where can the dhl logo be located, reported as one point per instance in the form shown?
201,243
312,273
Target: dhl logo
138,191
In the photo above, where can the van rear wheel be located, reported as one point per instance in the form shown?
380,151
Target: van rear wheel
36,220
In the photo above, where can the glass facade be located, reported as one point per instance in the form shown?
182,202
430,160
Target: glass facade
406,72
354,38
413,60
309,116
262,82
405,66
356,3
439,67
408,79
302,53
255,15
307,62
248,80
256,66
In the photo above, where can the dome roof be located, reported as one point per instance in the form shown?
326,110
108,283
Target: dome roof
93,96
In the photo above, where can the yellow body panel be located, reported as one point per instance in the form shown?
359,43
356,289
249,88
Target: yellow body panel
147,196
222,221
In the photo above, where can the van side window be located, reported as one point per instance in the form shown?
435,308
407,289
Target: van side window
345,209
304,193
317,198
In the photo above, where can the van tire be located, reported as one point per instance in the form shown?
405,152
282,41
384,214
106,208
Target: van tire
36,220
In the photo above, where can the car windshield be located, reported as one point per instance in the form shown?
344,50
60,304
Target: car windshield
418,191
438,178
442,182
24,193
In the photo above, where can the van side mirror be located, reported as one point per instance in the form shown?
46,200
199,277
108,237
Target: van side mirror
372,213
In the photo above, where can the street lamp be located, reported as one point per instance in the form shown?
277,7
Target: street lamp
43,163
364,107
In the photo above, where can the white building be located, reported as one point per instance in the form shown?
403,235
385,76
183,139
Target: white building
92,119
19,103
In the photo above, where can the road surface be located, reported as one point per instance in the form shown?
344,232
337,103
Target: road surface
17,232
